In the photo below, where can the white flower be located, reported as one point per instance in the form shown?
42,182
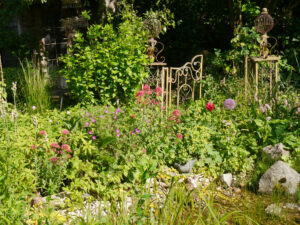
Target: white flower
68,112
33,107
268,118
50,121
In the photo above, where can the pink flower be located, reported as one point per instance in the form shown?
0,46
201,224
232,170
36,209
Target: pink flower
88,114
93,120
87,124
158,91
117,130
210,106
178,120
106,111
132,116
43,133
94,137
172,118
69,156
140,94
90,132
131,132
65,132
147,90
54,145
176,113
180,136
54,160
118,110
32,147
102,116
118,134
66,148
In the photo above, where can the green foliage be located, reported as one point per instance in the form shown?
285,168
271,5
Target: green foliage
35,88
109,64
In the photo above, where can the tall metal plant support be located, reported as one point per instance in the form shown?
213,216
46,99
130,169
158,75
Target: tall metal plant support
263,23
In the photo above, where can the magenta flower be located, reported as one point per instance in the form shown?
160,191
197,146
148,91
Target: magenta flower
93,120
102,116
94,137
88,114
106,111
229,104
118,134
137,130
131,132
106,107
90,132
87,124
118,110
117,130
65,132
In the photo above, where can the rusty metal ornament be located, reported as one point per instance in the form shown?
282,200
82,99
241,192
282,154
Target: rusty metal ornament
264,23
154,26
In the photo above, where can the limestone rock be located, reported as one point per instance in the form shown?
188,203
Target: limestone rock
277,151
226,178
279,173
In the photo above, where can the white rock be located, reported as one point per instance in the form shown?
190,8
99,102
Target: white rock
226,178
279,173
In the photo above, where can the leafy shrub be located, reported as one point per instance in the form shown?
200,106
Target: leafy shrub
108,64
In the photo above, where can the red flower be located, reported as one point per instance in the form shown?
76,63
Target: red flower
66,148
65,132
176,113
147,90
210,106
132,116
140,94
180,136
32,147
158,90
178,120
172,118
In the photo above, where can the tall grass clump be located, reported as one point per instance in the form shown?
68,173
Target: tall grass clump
36,87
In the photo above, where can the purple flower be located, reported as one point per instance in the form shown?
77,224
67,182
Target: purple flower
118,110
106,107
93,120
106,111
229,104
87,124
118,134
137,130
263,109
90,132
94,137
117,130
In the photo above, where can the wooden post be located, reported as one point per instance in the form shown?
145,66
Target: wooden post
246,76
256,78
